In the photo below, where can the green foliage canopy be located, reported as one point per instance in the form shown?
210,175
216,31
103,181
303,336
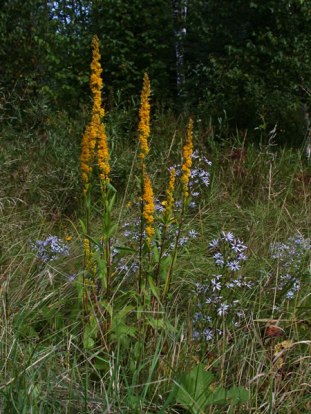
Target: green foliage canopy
251,59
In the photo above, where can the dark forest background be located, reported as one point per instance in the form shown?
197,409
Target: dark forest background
245,62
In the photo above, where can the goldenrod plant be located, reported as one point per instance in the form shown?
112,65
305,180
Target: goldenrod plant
95,153
154,273
147,197
185,177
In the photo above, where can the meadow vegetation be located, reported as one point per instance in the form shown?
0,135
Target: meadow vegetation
162,268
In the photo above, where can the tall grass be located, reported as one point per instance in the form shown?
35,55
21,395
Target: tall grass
154,349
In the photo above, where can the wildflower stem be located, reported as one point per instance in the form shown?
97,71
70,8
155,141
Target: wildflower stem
186,173
86,254
166,218
108,265
157,271
141,238
170,271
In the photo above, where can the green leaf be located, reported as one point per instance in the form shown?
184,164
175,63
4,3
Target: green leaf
124,330
101,364
27,332
111,202
160,323
98,244
156,254
124,312
90,333
120,330
194,388
111,187
195,392
107,306
110,231
232,396
156,323
102,268
88,342
83,226
165,264
126,249
154,289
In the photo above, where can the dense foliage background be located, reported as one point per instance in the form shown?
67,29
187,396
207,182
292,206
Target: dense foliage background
248,62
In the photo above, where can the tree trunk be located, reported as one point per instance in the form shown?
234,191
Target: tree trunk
180,16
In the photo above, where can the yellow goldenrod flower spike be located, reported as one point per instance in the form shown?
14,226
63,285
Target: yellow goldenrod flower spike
95,131
170,194
148,210
187,160
96,82
144,118
97,125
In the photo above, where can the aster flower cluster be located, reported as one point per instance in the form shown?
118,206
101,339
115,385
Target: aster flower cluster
199,178
127,266
228,252
124,260
216,294
290,257
50,249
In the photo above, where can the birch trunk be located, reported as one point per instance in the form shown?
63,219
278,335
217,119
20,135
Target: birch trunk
180,8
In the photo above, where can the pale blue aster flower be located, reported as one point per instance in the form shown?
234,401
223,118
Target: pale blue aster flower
196,335
223,309
227,236
234,265
72,277
50,249
215,285
193,234
219,260
208,334
183,240
214,243
242,257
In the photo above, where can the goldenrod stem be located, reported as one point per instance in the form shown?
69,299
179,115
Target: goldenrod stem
170,271
141,241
